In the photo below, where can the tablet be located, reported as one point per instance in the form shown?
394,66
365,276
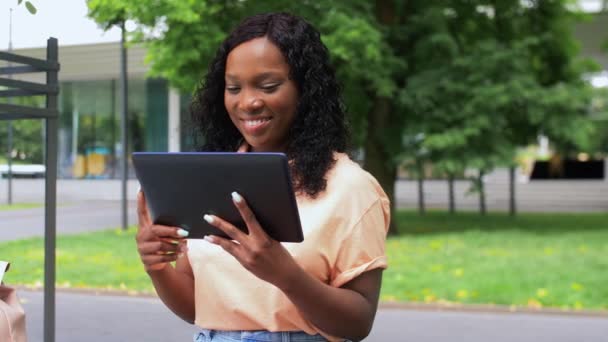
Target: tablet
180,188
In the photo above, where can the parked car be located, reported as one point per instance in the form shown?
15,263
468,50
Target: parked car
23,170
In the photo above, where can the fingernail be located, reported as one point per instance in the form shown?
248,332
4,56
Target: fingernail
138,188
208,238
208,218
236,197
182,233
175,242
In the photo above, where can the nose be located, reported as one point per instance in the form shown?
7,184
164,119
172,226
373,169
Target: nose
250,102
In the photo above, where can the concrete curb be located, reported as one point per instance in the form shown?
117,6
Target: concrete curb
388,305
491,308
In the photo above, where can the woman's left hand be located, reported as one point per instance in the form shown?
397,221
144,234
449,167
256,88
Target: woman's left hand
263,256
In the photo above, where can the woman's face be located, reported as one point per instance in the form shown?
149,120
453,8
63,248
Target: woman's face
259,96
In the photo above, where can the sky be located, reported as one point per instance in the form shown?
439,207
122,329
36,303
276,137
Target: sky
63,19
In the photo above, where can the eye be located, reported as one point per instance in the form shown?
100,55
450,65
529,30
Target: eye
269,88
233,89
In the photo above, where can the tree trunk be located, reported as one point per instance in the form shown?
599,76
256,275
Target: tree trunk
378,160
482,194
451,193
512,204
421,206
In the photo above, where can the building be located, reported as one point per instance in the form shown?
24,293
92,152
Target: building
89,105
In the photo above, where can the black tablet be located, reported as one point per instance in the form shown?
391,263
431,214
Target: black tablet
180,188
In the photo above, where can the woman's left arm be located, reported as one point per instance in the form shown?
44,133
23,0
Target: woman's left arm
347,312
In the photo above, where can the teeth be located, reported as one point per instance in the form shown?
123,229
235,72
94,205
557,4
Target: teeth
255,122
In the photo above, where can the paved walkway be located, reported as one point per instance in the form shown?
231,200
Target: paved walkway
103,318
74,217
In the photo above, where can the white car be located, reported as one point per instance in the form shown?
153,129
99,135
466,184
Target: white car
24,170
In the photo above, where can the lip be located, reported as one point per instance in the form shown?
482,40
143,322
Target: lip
256,128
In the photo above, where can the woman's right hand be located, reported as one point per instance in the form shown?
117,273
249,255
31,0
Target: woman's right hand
157,245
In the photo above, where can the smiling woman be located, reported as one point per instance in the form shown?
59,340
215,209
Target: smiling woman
260,97
271,88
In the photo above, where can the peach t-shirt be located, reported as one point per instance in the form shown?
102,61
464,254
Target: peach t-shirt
344,235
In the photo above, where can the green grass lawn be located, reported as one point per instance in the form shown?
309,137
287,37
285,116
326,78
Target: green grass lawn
534,260
17,206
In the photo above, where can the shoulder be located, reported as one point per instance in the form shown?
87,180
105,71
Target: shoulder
352,186
348,176
352,196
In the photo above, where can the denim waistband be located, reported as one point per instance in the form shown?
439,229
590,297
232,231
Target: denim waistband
255,336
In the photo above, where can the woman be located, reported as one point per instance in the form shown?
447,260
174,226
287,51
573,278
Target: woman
271,88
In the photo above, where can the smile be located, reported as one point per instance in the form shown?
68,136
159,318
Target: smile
255,122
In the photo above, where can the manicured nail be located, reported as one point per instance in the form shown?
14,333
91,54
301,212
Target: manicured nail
182,233
208,218
209,238
236,197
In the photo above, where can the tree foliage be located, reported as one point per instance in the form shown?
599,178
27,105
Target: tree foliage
473,79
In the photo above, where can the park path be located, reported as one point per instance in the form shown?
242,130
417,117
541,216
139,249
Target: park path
102,318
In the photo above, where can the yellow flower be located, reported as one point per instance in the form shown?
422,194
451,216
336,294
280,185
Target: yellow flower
436,268
458,272
429,298
541,293
577,287
462,294
436,244
535,304
388,298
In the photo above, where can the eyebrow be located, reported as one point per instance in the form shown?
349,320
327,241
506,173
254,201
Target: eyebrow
262,76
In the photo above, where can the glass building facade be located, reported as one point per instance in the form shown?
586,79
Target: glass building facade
90,132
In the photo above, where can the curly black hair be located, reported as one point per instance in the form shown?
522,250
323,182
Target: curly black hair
319,128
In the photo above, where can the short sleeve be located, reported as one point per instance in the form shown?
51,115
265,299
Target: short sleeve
363,247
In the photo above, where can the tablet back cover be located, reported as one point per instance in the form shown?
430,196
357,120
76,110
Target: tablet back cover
180,188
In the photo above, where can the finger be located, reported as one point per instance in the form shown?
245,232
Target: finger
229,246
248,216
157,247
233,232
173,233
143,215
152,259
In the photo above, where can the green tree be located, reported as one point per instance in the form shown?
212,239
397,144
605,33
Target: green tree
503,73
408,67
181,38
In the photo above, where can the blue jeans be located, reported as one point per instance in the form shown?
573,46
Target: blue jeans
256,336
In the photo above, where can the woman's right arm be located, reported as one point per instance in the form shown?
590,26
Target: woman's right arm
158,246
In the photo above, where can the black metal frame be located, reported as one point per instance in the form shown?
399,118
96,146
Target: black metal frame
50,113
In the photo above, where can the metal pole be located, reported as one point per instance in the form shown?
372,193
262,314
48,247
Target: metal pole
50,200
9,140
123,124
